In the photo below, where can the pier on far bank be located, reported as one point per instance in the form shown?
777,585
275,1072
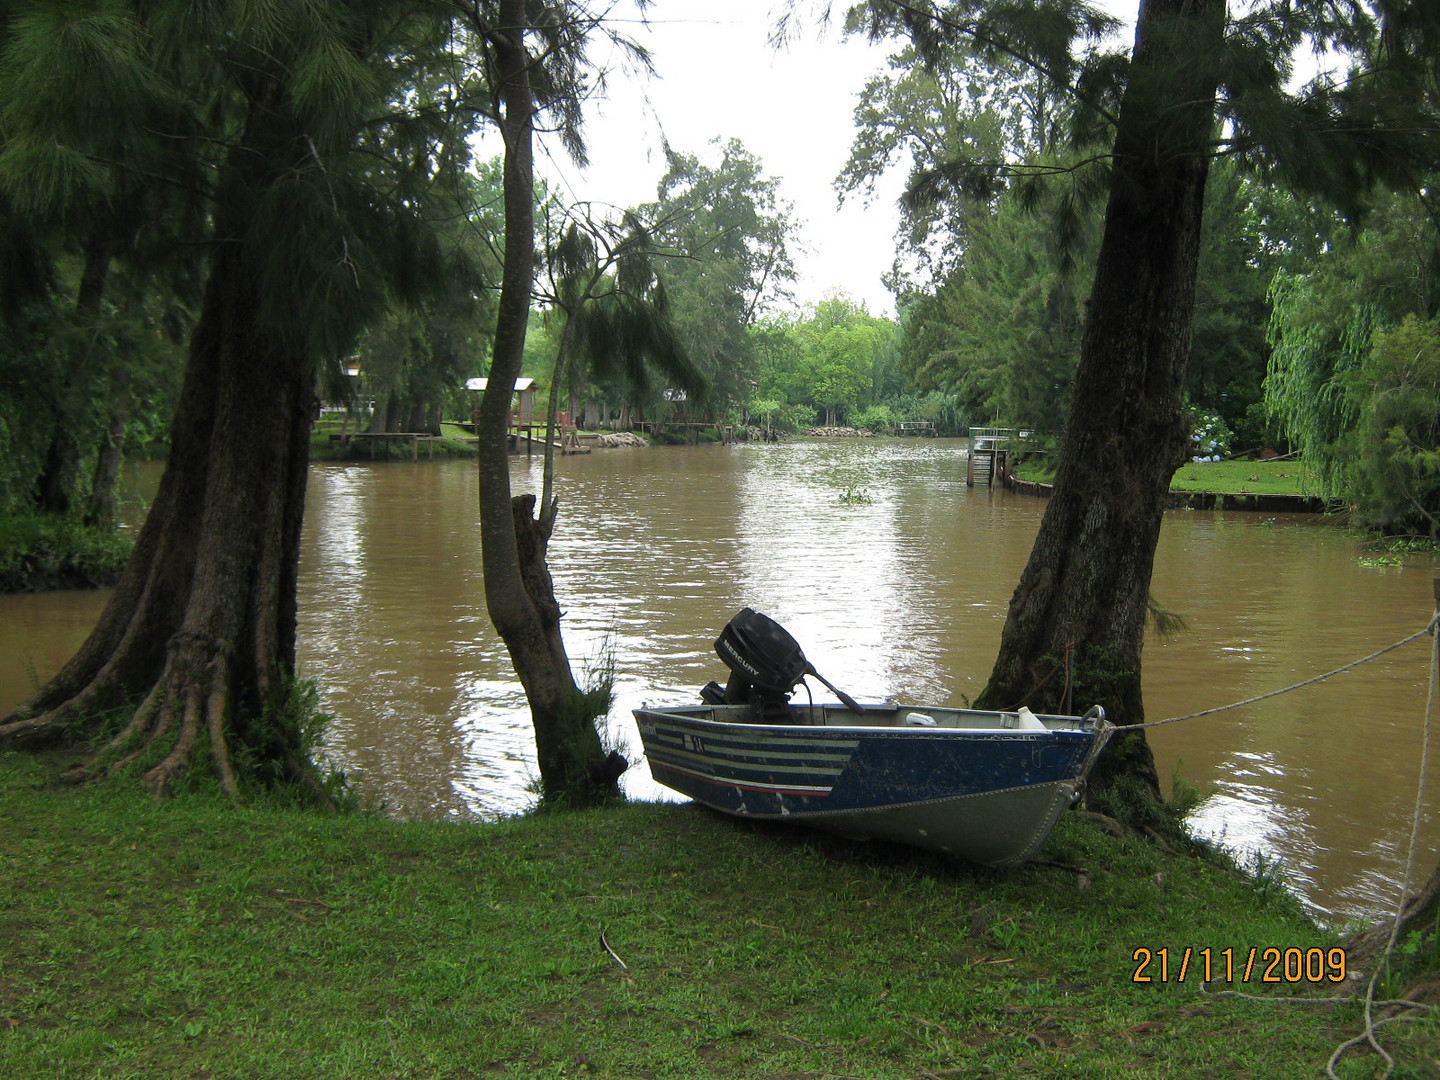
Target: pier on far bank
415,437
988,461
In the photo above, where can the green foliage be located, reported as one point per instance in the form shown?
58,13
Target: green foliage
1185,797
1163,621
297,721
1002,332
728,234
415,359
581,746
41,551
1397,441
1228,352
942,115
880,418
120,162
1209,437
1352,376
1006,110
832,359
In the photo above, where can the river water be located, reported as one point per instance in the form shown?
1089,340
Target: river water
899,589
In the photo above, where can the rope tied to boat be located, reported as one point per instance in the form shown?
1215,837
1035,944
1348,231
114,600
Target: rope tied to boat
1429,629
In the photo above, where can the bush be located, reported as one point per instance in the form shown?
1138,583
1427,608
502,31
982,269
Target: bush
1209,437
876,418
41,551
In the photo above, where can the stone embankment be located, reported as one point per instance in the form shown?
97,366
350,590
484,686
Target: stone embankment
841,433
751,433
622,438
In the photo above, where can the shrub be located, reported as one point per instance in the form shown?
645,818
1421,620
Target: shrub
42,551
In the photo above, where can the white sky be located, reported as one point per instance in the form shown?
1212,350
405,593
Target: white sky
719,77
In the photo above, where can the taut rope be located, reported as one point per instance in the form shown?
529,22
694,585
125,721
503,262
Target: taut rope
1429,629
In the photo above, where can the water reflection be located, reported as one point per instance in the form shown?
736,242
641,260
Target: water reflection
902,595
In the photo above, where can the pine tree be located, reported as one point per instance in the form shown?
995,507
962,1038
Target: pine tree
535,54
312,229
1075,625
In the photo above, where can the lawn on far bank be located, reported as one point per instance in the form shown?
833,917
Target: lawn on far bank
1246,478
192,938
1211,477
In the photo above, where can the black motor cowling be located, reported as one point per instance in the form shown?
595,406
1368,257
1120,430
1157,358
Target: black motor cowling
766,664
758,648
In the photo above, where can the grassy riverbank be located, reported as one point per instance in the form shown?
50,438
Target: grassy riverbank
328,443
1245,478
195,939
46,551
1212,477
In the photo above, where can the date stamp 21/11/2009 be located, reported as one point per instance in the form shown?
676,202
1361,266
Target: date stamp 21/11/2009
1259,964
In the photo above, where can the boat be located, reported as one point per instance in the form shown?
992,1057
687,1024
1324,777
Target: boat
987,787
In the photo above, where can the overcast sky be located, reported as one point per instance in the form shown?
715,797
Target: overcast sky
718,76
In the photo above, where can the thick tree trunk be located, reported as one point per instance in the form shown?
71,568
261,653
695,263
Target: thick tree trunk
201,628
1075,627
518,590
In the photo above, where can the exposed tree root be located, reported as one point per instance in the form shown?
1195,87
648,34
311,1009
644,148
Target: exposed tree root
33,733
1420,912
189,707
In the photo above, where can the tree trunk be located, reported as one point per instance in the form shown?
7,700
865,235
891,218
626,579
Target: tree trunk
1418,914
201,628
62,459
518,590
101,510
1081,601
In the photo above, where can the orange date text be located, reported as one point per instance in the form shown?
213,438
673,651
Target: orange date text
1258,964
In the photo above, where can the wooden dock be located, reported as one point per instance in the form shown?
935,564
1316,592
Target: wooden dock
415,437
988,459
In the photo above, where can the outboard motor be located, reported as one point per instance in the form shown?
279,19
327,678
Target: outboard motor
766,664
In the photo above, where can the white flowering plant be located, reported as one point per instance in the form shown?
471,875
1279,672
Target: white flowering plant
1209,438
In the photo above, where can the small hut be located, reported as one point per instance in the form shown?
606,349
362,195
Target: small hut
521,419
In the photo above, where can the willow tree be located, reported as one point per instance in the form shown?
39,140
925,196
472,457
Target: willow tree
1197,82
312,230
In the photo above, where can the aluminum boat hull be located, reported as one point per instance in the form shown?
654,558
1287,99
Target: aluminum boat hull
986,787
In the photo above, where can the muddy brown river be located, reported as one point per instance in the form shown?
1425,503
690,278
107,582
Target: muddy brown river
900,592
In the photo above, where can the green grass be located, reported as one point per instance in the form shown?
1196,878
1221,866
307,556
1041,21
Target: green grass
46,551
1217,477
195,939
1246,477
